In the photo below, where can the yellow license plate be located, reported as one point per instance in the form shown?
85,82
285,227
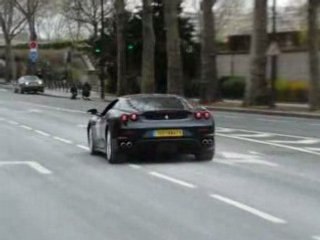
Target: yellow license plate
169,133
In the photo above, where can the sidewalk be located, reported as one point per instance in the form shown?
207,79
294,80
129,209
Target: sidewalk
282,109
64,94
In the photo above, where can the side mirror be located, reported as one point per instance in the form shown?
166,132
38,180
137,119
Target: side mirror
93,111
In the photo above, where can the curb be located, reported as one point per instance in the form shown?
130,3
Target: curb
78,98
265,112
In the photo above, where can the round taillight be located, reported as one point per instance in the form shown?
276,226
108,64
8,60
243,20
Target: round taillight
198,115
134,117
124,118
206,115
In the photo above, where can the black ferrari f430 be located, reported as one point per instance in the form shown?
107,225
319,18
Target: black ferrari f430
144,123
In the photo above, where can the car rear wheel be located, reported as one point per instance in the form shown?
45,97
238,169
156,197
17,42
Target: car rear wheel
205,155
92,147
21,91
112,154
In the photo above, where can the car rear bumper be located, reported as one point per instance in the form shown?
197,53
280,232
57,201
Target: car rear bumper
33,88
177,145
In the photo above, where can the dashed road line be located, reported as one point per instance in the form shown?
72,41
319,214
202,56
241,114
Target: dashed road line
26,127
256,135
173,180
38,167
269,143
270,120
134,166
3,90
316,237
13,122
42,133
62,140
249,209
82,126
302,141
83,147
34,165
2,119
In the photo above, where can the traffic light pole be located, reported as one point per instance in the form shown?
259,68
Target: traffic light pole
101,64
274,58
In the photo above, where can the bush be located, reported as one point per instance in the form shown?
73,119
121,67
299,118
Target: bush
292,91
232,87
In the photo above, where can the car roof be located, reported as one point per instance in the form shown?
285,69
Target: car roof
154,95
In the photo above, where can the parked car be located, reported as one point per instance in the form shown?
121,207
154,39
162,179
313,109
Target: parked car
28,84
138,124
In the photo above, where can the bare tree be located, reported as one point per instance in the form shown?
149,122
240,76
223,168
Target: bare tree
121,44
256,87
30,8
174,62
12,23
148,74
209,76
313,43
87,12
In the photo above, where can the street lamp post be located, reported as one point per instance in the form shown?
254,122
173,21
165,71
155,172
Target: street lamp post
274,57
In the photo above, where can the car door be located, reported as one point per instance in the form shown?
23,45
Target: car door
101,124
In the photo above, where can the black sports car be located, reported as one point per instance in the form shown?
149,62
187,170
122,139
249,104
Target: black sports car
145,123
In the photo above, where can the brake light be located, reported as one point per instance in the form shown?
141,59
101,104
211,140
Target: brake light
202,115
124,118
206,115
132,117
198,115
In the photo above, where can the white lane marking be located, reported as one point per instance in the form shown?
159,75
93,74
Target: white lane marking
83,147
313,149
62,140
224,130
238,158
314,124
2,119
302,141
3,90
173,180
270,120
231,116
254,152
42,133
55,108
26,127
13,122
249,209
34,165
34,111
316,237
270,143
82,126
134,166
38,167
255,135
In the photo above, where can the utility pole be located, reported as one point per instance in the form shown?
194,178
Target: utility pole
274,56
101,60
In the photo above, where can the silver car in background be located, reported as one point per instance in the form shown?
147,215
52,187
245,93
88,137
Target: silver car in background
29,84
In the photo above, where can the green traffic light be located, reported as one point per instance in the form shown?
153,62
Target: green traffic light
98,50
130,47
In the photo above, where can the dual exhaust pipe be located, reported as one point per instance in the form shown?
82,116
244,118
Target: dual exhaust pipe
126,145
207,142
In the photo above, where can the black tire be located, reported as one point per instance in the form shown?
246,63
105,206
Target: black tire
91,144
112,154
15,90
205,155
21,91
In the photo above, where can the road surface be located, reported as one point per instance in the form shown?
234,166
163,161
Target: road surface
264,182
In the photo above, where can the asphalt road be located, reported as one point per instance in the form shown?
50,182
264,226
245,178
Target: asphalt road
263,184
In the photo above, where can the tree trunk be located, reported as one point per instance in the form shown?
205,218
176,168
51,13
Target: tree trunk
9,75
209,76
148,75
174,74
257,87
32,68
121,47
313,42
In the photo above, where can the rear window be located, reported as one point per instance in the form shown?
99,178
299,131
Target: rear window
143,104
31,78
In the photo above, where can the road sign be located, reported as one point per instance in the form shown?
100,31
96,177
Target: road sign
33,45
274,49
33,56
